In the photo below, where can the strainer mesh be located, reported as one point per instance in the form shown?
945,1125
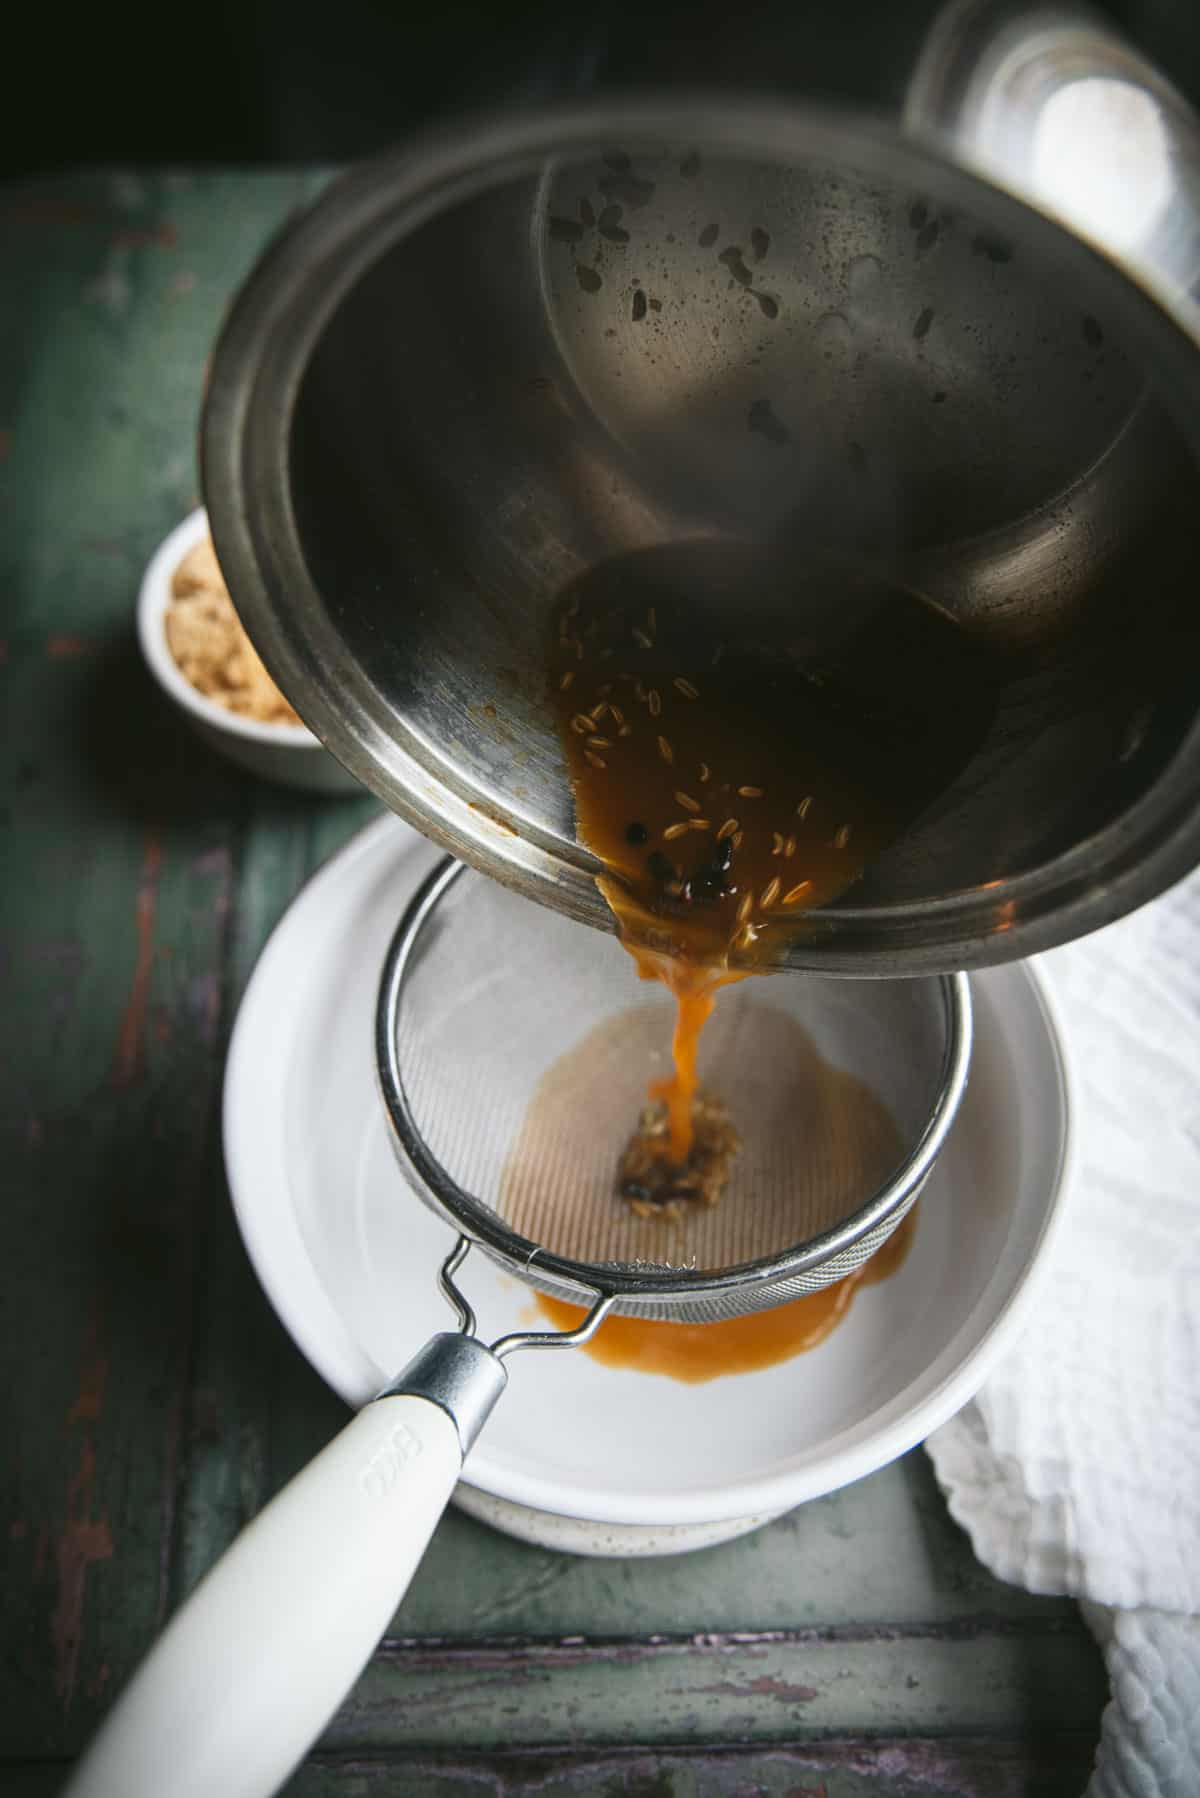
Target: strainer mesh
524,1045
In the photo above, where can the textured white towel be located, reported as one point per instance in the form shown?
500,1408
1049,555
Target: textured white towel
1077,1468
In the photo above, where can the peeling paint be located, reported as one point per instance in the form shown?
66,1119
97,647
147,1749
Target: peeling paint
83,1540
99,1680
88,1402
162,236
131,1034
213,864
111,289
764,1685
64,646
204,1004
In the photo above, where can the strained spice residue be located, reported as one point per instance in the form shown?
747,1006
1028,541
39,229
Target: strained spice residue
651,1179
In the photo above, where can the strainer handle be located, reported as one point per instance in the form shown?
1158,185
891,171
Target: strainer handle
250,1670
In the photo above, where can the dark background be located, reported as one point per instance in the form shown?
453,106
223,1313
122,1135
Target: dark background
271,81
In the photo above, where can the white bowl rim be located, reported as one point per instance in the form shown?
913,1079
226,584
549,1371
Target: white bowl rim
154,597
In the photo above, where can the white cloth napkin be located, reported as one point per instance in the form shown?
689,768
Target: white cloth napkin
1077,1468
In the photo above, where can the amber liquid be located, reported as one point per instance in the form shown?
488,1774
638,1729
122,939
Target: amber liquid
696,1352
743,739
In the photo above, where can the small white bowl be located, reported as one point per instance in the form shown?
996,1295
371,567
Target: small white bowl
288,753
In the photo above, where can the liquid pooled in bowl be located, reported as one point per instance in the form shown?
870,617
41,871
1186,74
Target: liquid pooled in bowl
697,1352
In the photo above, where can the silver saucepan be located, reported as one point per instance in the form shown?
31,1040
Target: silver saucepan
956,342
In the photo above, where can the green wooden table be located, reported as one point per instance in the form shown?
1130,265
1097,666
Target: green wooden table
151,1401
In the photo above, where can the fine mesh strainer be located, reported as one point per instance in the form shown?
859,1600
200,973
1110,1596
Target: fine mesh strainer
513,1052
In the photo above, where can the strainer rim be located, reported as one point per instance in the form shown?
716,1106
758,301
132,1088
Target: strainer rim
670,1287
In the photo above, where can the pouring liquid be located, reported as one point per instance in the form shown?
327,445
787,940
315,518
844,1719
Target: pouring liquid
742,739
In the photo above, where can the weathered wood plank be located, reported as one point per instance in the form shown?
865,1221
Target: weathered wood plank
884,1549
257,1411
105,1127
901,1767
746,1688
1049,1766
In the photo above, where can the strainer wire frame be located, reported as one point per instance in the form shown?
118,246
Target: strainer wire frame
623,1283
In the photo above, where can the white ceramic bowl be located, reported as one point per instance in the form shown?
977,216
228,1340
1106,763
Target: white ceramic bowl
349,1256
288,753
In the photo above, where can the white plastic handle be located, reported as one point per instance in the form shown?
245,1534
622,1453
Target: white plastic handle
254,1664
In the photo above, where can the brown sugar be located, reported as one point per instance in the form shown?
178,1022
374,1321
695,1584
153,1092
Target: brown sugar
210,647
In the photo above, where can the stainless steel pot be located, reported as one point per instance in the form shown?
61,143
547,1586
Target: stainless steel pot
959,341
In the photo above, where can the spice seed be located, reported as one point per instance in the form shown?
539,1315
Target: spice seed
796,892
770,892
703,772
665,750
597,761
778,848
685,687
641,639
640,691
842,837
674,830
687,802
582,723
566,680
699,824
599,743
626,730
789,848
597,712
618,714
727,829
750,792
802,808
745,908
655,702
737,838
